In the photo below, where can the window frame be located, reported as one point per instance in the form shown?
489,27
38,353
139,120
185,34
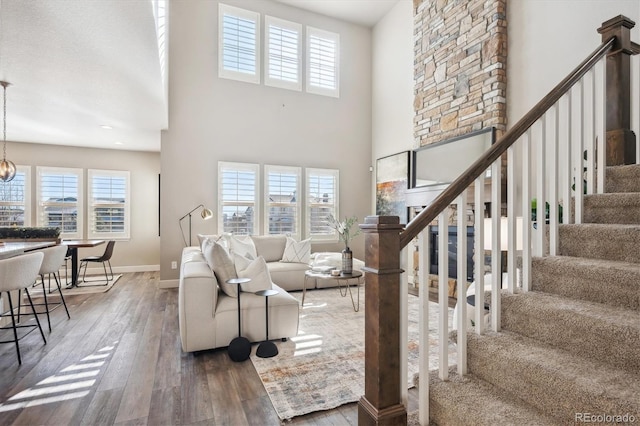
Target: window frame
326,35
91,206
335,174
40,206
270,21
297,171
225,9
252,167
26,204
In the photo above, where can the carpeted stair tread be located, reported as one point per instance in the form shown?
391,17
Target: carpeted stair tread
587,329
623,178
552,380
600,241
603,281
619,208
468,400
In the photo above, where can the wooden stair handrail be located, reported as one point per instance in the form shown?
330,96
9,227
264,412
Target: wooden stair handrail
426,216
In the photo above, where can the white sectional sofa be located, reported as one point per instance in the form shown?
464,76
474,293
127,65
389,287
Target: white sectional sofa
208,316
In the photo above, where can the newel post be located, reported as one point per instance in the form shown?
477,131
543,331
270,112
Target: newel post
381,403
620,140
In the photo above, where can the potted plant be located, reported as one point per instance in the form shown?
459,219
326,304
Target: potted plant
345,234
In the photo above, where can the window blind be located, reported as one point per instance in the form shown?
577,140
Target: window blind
322,190
283,58
108,203
239,44
282,199
238,192
13,195
59,192
322,62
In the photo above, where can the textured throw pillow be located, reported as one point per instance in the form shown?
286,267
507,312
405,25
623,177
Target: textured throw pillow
243,246
220,262
259,273
240,262
297,251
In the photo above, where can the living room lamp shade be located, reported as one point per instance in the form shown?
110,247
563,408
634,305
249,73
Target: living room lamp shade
7,168
205,214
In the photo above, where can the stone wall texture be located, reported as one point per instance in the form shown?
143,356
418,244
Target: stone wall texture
460,62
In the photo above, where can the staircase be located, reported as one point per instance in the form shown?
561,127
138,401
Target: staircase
569,350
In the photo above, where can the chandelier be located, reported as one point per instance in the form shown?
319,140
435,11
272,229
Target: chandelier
7,168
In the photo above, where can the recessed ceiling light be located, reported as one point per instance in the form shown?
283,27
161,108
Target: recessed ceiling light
119,143
104,126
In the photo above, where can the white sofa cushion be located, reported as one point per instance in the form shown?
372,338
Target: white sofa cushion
270,247
297,251
243,246
258,272
220,262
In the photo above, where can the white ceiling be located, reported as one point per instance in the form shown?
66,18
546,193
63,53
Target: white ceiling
76,65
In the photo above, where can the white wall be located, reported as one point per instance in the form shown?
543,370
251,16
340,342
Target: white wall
142,251
549,38
392,84
213,119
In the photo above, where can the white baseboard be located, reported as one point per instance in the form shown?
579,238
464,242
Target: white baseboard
168,283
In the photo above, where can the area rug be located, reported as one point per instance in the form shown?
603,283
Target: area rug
323,367
37,291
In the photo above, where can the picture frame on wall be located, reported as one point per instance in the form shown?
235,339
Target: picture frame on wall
392,181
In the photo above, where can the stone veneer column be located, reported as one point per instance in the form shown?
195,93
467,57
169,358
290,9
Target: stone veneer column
460,58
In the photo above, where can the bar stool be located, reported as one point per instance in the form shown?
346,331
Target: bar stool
17,273
53,259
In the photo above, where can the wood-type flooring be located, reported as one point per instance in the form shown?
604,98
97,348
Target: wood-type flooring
118,361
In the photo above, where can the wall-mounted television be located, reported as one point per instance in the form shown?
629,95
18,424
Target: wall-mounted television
442,162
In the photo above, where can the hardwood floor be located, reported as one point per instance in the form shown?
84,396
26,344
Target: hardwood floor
118,361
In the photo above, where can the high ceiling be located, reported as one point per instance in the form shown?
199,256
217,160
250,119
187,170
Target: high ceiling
77,65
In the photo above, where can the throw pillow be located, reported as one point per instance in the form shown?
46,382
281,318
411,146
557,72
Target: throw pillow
297,251
243,246
220,262
240,262
259,273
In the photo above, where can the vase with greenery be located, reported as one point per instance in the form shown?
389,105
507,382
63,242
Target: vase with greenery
345,233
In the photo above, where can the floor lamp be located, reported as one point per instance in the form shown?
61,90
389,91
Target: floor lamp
205,213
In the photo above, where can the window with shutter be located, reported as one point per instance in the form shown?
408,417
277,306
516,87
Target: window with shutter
238,198
282,200
59,193
238,44
108,204
323,68
322,200
283,53
15,199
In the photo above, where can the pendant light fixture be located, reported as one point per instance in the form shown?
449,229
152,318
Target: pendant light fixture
7,168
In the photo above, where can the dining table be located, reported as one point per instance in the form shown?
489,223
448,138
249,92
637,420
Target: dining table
73,246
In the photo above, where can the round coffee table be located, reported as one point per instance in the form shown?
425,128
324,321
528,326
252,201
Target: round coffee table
341,279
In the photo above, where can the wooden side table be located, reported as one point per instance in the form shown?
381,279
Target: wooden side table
240,348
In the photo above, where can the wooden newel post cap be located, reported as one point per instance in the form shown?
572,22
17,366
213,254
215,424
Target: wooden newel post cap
381,223
620,26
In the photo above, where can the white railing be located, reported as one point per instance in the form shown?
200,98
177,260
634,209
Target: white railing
546,163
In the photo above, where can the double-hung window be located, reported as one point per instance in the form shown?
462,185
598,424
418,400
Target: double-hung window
15,200
322,201
238,44
238,198
59,194
282,200
323,62
108,204
283,48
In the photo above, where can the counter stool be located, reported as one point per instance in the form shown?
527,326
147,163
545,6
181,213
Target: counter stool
17,273
267,349
53,259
